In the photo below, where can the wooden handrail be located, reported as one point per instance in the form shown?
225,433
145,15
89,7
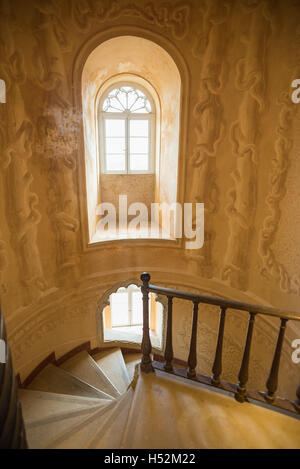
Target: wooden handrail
250,308
239,390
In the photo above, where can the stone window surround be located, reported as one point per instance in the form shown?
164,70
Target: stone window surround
87,223
104,301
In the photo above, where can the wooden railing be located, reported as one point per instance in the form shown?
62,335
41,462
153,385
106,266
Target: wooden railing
12,431
239,390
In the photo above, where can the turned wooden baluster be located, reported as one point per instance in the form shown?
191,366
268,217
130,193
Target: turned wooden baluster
243,374
146,364
192,360
272,381
169,345
297,403
217,366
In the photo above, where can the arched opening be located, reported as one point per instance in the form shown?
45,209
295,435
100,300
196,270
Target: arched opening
145,167
126,126
120,315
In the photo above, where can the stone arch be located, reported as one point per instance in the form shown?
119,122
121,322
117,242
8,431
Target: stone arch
104,301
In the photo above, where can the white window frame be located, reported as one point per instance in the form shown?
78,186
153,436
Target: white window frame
129,290
127,116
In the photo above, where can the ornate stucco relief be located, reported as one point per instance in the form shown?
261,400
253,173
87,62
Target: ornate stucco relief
22,213
58,149
271,267
209,47
173,17
56,134
244,136
40,328
3,265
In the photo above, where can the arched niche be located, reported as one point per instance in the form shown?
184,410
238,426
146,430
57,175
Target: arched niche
153,62
122,340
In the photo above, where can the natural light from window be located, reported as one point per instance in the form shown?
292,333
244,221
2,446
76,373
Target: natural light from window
126,307
123,317
127,132
131,96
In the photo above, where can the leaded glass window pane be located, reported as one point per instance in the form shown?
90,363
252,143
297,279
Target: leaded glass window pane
126,134
127,98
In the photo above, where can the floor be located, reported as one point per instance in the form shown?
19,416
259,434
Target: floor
168,412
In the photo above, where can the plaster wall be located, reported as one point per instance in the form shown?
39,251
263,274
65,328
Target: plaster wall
138,188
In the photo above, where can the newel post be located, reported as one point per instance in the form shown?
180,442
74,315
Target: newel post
146,364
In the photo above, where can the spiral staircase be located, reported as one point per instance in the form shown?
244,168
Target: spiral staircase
83,403
104,401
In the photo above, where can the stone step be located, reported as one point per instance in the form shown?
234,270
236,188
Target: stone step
131,360
39,407
41,436
111,434
54,379
112,363
80,435
84,367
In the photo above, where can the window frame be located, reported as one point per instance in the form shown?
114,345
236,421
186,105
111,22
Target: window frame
127,116
129,290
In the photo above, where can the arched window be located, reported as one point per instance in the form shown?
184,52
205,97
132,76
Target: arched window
127,130
126,307
120,315
131,98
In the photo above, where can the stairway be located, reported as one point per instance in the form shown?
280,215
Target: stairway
84,403
104,402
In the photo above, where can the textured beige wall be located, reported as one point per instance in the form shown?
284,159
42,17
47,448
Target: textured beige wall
138,188
239,152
